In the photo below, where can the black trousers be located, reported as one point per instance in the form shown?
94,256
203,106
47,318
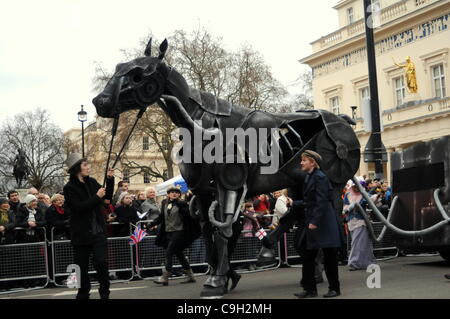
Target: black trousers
330,265
99,249
175,247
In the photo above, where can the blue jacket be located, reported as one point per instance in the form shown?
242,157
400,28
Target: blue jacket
317,203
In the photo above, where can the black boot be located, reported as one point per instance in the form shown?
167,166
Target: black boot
306,294
332,293
235,277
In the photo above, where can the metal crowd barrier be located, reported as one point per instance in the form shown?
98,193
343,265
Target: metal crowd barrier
151,257
25,262
120,257
247,249
385,249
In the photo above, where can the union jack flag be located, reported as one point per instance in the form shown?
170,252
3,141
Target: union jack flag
137,236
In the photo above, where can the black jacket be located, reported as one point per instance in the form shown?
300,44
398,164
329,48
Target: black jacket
318,206
22,217
8,236
57,221
191,227
84,204
125,215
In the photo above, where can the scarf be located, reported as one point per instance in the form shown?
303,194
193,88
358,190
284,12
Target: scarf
59,210
354,197
4,219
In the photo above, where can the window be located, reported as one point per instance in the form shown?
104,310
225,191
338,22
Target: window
126,175
146,178
334,102
350,17
145,143
364,94
400,91
438,80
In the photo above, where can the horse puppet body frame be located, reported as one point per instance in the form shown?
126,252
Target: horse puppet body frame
221,187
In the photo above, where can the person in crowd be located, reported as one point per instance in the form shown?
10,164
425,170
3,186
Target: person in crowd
84,197
42,202
262,208
57,218
30,217
280,207
322,230
7,222
126,215
361,253
176,232
139,200
33,191
150,207
109,214
250,226
14,200
122,186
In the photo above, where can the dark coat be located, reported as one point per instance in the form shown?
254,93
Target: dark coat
318,206
21,220
191,227
58,222
84,204
125,215
8,236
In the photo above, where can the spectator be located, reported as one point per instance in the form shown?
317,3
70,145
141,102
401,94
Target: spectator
14,200
150,207
30,217
361,253
6,222
140,198
280,207
122,186
58,218
42,202
126,214
250,227
262,208
108,211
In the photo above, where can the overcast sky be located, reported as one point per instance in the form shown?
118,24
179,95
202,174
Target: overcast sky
48,47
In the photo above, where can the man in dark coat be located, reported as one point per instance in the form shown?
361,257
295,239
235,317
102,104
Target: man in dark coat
322,227
84,197
176,232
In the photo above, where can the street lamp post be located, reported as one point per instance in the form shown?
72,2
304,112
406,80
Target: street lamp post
375,151
82,117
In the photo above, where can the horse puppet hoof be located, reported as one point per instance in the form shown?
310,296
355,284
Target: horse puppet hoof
266,258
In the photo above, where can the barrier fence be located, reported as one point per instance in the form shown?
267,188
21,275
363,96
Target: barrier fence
41,262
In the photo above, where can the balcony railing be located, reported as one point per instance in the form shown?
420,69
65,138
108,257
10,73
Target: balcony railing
388,14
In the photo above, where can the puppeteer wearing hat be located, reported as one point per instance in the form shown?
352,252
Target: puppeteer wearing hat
84,197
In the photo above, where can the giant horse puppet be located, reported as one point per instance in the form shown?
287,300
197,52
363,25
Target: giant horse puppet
220,187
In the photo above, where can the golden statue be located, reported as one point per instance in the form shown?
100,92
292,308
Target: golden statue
411,78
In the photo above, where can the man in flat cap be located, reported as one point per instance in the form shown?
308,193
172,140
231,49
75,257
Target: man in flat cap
322,227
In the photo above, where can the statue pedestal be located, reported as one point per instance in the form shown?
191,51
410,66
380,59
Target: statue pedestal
22,193
412,97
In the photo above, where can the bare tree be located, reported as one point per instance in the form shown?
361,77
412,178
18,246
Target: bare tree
43,143
305,99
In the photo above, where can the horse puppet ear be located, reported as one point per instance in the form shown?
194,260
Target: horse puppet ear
163,49
148,49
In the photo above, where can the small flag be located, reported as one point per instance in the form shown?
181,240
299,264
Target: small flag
137,236
261,233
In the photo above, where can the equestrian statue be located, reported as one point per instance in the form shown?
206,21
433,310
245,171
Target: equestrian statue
221,186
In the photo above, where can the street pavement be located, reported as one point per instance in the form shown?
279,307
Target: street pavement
401,277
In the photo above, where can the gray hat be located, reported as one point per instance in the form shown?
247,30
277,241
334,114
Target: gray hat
122,196
29,198
3,200
73,159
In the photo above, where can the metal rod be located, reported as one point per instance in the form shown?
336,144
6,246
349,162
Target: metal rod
139,115
113,133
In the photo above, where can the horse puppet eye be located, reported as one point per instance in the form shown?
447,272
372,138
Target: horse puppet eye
136,77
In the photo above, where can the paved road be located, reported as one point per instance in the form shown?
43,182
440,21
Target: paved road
404,277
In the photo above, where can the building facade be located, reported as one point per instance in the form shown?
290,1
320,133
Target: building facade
419,29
